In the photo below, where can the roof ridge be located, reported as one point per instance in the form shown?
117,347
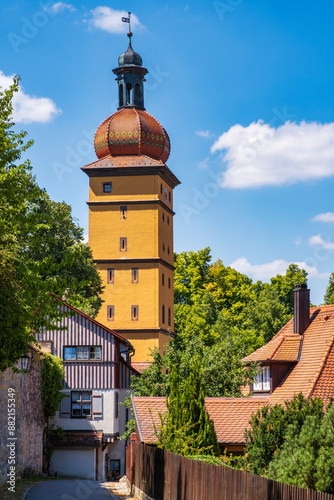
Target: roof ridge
322,366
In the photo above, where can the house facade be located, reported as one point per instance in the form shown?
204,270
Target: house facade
299,359
97,378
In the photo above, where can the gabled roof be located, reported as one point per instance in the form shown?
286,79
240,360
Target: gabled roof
312,374
84,315
141,365
230,416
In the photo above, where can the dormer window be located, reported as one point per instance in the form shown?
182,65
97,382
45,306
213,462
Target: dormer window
262,380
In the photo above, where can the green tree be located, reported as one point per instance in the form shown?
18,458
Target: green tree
306,458
52,376
329,295
188,429
32,267
191,270
269,426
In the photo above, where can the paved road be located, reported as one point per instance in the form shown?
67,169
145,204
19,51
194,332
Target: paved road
76,489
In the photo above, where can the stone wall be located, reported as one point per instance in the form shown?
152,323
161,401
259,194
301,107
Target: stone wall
28,446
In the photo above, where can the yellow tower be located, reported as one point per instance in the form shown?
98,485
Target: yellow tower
131,216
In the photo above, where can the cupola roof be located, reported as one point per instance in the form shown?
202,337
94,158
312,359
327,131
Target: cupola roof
130,57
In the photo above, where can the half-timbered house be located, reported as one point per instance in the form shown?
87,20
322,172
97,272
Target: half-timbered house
97,377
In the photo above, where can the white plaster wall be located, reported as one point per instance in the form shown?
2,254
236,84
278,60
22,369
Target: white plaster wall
106,424
74,462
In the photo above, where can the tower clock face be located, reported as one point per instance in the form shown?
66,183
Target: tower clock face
165,196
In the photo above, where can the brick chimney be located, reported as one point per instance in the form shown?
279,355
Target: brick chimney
301,308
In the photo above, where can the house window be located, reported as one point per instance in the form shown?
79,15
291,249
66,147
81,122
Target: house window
262,380
82,353
107,187
134,275
81,404
163,279
123,211
134,313
169,317
110,275
123,244
168,282
116,404
163,315
110,313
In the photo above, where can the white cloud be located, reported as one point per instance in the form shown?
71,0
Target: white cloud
261,155
28,109
204,133
326,217
110,20
59,7
266,271
317,240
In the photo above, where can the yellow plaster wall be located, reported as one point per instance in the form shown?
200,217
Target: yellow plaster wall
128,187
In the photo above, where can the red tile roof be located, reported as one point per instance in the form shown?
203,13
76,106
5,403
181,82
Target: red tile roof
230,416
312,375
140,366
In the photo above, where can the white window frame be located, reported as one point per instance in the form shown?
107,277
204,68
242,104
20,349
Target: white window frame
262,380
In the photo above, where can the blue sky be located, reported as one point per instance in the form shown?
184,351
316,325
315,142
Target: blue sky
244,89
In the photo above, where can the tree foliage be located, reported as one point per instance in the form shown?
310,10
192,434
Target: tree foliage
329,295
52,376
188,429
306,458
41,249
269,427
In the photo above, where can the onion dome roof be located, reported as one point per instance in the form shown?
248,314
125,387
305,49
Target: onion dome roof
132,131
130,56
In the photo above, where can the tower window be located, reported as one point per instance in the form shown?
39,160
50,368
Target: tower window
169,196
128,93
110,313
168,250
161,188
163,315
123,244
134,313
163,279
107,187
163,247
163,217
168,220
134,275
123,211
169,317
110,275
168,282
120,90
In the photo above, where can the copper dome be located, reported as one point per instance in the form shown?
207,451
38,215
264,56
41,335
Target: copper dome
132,131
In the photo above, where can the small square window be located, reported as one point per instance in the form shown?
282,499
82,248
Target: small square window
110,313
134,313
123,211
95,352
110,275
134,275
123,244
81,404
83,352
107,187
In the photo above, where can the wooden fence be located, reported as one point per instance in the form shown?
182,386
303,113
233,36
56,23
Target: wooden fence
165,476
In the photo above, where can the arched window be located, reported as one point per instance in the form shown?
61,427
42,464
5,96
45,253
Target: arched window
163,315
169,317
120,90
128,93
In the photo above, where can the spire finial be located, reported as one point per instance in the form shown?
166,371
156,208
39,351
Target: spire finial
128,20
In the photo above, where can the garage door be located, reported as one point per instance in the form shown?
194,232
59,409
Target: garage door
74,462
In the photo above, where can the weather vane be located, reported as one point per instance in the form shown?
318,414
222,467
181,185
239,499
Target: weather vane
127,20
